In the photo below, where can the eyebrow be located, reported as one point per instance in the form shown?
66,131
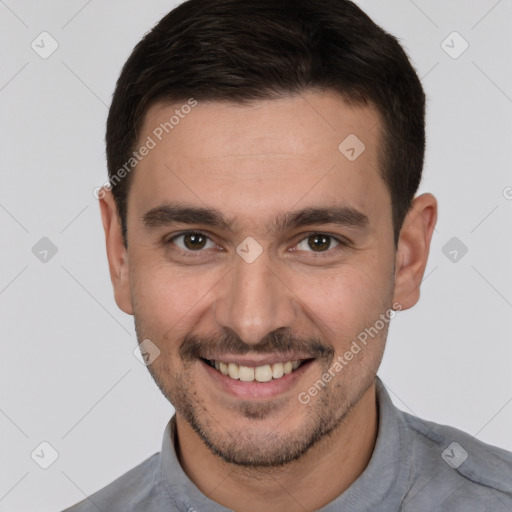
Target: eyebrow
177,213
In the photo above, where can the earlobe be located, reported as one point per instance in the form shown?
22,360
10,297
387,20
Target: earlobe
116,251
413,249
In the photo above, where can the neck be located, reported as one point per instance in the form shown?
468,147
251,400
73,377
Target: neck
318,477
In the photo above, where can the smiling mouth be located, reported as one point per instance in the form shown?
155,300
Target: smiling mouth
264,373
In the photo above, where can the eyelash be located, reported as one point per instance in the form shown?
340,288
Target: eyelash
328,252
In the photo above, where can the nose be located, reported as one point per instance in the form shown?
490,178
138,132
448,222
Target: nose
254,301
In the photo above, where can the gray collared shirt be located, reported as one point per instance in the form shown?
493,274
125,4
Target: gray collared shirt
416,466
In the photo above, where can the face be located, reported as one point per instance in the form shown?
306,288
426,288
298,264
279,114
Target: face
258,248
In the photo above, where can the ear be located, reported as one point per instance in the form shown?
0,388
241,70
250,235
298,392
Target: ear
413,248
116,251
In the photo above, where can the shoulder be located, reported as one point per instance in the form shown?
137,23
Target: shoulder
134,490
453,469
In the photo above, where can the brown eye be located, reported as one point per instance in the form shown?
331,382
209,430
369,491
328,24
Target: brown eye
192,241
317,243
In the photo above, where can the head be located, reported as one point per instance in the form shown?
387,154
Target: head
263,158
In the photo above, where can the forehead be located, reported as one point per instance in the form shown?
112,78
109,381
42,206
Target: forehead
269,154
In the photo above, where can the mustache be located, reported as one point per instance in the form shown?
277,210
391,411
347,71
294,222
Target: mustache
277,342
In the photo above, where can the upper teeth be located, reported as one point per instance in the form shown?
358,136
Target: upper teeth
260,373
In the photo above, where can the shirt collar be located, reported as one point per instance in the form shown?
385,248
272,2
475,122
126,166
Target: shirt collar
175,483
382,485
385,480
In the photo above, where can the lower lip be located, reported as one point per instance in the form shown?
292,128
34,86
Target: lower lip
255,389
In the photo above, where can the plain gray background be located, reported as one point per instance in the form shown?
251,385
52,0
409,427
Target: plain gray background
68,373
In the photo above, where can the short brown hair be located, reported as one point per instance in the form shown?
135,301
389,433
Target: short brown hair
245,50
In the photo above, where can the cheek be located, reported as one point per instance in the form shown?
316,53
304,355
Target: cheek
168,298
347,300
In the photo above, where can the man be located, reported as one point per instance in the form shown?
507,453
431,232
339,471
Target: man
262,227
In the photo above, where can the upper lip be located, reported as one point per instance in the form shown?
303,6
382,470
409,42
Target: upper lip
253,361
